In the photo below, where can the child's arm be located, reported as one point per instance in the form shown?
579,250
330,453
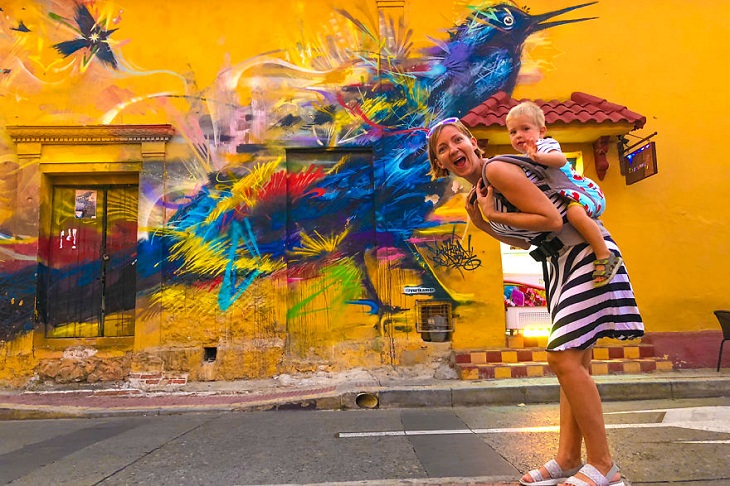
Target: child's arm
554,158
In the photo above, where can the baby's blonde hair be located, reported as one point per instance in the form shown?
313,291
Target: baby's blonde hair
529,109
437,171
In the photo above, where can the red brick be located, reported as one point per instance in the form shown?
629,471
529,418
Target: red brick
486,373
615,367
462,358
615,352
646,351
648,366
519,372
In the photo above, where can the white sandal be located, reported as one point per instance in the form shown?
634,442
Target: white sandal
595,475
555,472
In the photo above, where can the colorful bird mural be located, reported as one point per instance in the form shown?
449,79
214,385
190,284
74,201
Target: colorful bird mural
361,190
363,204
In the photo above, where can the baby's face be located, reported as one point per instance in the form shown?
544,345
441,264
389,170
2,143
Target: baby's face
523,129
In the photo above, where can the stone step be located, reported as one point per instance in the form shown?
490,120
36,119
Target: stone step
509,355
532,362
530,369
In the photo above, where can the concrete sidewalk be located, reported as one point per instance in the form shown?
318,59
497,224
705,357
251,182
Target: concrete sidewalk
350,390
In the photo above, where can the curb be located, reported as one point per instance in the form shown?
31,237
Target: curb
109,403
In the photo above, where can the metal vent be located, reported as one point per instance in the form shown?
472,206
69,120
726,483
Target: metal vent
434,320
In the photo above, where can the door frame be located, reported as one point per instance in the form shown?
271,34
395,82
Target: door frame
52,153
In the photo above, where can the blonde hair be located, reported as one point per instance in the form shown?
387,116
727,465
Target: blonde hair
437,171
529,109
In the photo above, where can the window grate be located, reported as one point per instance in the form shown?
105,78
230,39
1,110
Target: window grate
434,320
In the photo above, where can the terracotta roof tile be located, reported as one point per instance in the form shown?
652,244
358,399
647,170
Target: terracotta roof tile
581,108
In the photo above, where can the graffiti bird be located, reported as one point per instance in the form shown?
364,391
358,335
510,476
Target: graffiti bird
93,36
21,27
336,214
483,56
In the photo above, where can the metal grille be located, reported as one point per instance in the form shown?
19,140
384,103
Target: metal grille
434,320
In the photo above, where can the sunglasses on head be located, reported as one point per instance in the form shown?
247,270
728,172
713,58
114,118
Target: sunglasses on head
445,121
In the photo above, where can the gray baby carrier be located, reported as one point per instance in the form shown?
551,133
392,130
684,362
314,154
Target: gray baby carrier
557,180
549,244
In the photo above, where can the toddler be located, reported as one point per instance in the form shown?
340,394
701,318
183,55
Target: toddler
526,127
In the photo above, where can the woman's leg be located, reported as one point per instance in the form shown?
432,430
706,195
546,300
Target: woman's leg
569,444
571,439
583,409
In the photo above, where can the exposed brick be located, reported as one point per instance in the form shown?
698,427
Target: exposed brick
149,376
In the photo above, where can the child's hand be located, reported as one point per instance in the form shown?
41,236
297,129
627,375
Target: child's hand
531,149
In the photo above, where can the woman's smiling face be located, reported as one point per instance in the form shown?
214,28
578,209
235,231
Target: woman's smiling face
455,152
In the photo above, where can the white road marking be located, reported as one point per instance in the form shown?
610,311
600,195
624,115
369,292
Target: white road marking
702,441
708,419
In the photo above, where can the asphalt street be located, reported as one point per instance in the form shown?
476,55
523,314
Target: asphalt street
669,441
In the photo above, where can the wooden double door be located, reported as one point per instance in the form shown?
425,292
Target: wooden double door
88,281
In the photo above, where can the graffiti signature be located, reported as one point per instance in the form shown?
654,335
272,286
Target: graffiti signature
450,253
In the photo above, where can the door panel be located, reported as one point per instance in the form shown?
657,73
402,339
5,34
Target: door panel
91,277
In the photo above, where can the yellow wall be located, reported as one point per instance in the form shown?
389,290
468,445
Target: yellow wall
663,60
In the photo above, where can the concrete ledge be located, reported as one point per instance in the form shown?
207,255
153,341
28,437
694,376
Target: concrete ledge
415,398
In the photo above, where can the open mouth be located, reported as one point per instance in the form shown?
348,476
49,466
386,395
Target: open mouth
460,162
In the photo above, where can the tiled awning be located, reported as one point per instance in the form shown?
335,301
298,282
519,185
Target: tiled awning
583,118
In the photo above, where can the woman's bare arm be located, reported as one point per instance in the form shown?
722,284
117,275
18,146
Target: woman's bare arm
537,212
475,214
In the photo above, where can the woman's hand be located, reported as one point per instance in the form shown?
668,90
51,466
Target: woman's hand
472,208
485,199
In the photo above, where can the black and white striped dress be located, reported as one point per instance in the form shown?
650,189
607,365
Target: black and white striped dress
580,312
